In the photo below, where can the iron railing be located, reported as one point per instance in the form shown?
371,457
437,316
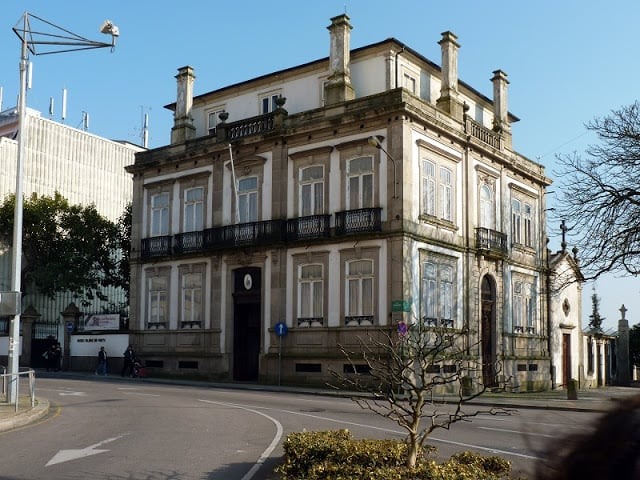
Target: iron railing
306,228
491,242
156,246
362,220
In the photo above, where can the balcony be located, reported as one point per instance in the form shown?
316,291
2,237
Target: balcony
491,243
363,220
483,134
308,228
249,126
244,234
156,246
188,242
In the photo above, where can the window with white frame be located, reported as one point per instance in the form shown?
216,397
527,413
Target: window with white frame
213,119
191,300
360,183
437,292
487,207
359,294
268,103
193,209
159,214
312,190
524,307
157,295
437,190
522,222
409,83
248,199
310,295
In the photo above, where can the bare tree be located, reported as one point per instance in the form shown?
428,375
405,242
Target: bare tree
600,195
402,376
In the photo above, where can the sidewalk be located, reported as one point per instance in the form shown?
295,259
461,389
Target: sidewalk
594,400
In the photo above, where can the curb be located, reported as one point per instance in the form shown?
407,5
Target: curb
26,416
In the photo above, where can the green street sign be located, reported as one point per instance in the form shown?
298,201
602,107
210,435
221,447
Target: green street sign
401,306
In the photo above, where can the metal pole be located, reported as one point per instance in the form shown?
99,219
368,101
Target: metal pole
16,251
279,358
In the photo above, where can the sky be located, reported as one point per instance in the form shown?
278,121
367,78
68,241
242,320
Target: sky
567,62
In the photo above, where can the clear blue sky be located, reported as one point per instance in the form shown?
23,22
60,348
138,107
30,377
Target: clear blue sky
568,62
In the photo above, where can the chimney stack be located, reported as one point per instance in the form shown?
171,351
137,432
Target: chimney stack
449,100
338,88
500,102
183,128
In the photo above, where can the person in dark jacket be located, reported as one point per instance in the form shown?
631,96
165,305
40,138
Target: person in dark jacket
102,362
129,357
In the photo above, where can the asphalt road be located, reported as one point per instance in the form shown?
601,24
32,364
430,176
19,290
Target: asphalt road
124,429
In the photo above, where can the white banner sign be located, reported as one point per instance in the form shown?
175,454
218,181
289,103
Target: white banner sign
102,322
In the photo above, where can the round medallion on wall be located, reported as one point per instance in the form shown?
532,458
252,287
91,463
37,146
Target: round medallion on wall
566,308
248,281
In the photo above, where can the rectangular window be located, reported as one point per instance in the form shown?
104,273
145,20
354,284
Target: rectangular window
191,300
193,209
312,191
437,293
213,119
310,292
445,194
409,83
157,302
524,307
516,221
527,225
360,183
269,103
437,190
359,288
160,214
429,187
248,199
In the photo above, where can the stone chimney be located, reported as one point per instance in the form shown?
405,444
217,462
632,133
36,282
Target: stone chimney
500,102
338,88
183,128
449,100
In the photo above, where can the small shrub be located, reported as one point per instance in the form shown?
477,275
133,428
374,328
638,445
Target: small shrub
336,455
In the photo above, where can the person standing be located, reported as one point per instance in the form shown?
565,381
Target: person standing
102,362
129,357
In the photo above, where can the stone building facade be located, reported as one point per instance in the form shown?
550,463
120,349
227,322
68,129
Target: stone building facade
350,193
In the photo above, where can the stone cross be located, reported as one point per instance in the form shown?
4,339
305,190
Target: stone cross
564,229
623,310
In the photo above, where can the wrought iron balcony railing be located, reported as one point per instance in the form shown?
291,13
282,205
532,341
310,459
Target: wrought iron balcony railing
362,220
491,242
242,234
188,242
156,246
306,228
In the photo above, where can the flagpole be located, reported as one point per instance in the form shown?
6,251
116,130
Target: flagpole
235,185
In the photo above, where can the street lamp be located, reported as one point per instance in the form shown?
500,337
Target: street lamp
30,40
375,142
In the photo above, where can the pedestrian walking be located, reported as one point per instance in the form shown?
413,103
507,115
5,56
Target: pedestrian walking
129,357
102,362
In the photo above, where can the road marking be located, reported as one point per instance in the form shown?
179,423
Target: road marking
276,439
72,394
140,394
518,432
68,455
397,432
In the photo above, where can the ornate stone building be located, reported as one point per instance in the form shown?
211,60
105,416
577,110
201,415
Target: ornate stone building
348,193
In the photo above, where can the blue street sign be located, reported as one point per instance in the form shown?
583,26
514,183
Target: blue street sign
70,327
402,329
281,329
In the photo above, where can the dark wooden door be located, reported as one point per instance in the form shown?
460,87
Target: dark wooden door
246,324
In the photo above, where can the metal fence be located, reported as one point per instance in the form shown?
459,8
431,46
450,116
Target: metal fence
7,377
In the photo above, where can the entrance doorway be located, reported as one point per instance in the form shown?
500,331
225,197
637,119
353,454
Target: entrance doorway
488,337
246,323
566,358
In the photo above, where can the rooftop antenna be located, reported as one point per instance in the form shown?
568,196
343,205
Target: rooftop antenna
51,108
145,131
1,93
29,75
64,104
85,121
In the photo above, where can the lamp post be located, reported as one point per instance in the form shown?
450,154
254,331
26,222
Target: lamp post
59,41
375,142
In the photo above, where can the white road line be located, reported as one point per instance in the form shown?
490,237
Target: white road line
140,394
276,439
518,432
